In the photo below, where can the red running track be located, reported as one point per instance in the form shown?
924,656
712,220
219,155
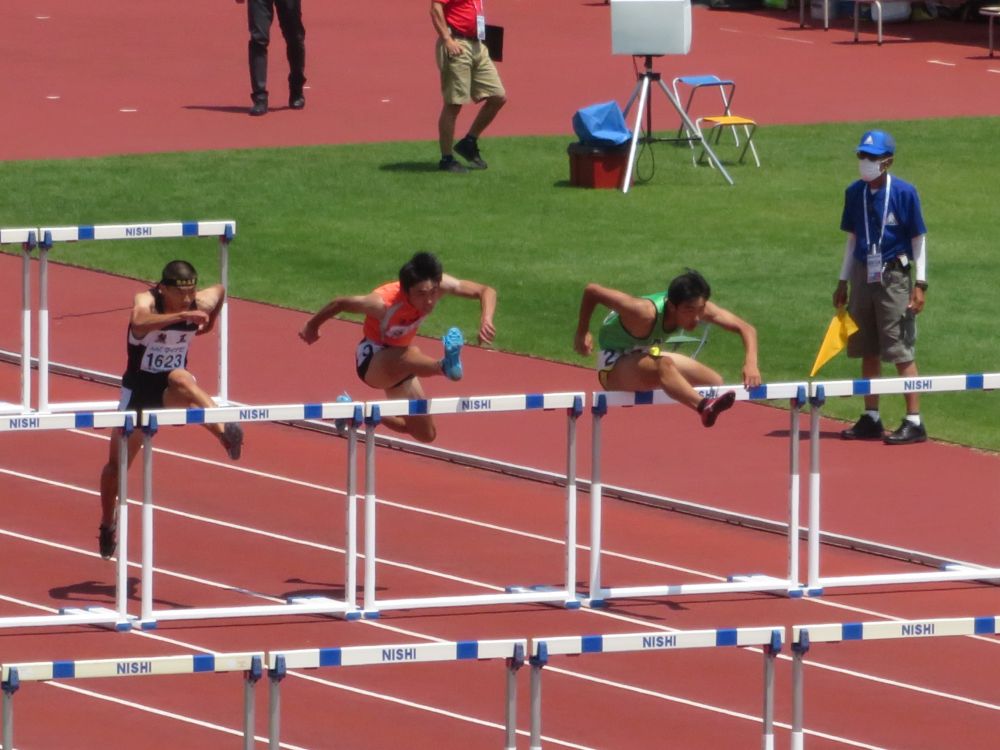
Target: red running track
433,533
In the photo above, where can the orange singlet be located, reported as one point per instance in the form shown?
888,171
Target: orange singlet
400,322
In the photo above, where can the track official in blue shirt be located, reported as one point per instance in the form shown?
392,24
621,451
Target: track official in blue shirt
885,268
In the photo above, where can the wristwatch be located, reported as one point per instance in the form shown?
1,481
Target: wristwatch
921,285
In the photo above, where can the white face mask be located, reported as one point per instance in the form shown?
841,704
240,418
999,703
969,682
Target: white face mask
870,170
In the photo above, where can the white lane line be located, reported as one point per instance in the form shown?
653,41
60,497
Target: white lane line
128,109
942,62
992,70
706,707
160,712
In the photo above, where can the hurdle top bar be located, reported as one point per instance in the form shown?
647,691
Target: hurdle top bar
18,236
33,421
350,656
480,404
221,228
132,666
871,631
762,392
267,413
919,384
663,641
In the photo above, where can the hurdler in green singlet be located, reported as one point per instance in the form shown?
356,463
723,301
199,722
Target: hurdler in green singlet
612,335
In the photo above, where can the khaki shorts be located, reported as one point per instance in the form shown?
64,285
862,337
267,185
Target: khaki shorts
470,76
885,327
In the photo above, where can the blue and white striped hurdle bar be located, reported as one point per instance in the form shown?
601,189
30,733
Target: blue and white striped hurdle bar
31,422
375,410
224,229
768,638
603,401
511,650
28,240
250,663
803,636
351,412
926,384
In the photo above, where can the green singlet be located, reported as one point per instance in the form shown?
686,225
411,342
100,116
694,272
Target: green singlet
613,337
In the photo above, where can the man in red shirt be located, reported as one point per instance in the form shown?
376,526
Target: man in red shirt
386,357
467,75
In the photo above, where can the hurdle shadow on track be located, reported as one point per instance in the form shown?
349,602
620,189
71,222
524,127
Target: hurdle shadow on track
316,588
92,591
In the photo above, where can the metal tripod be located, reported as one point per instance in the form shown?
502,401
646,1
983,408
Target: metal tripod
641,90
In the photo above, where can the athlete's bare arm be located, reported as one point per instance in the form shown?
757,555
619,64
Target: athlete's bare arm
369,304
636,313
487,297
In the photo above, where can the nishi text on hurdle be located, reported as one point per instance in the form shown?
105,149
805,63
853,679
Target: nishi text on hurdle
134,667
920,628
399,654
255,413
476,404
23,423
659,641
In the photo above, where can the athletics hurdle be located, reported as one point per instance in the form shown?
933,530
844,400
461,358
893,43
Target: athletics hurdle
542,649
27,239
602,401
953,570
225,230
118,617
248,663
511,650
375,410
155,418
803,636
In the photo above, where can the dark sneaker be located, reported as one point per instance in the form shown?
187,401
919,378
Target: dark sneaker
450,165
232,440
342,425
258,109
906,434
451,365
296,101
711,408
107,540
468,149
865,428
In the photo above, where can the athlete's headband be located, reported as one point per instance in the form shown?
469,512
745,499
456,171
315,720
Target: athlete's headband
180,282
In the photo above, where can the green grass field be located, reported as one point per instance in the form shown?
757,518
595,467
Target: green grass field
323,221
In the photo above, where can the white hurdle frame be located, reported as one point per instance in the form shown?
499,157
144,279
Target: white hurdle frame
820,391
602,401
28,240
511,650
250,663
153,419
803,636
225,230
375,410
117,617
767,638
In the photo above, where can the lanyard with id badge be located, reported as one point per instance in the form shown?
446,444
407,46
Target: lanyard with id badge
480,22
874,263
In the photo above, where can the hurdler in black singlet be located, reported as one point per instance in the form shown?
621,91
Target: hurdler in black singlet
152,357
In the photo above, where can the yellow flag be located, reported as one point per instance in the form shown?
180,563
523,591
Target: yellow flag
841,327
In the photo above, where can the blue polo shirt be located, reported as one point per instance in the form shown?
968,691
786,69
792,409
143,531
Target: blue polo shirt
904,219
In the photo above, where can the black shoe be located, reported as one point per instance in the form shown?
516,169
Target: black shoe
711,408
107,540
258,109
232,440
468,149
296,101
907,433
450,165
865,428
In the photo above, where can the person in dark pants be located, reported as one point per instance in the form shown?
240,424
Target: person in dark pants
260,14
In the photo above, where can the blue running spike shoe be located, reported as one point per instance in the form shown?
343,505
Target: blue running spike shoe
451,365
342,425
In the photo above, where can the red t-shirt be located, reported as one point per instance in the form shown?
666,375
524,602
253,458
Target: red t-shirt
461,15
399,324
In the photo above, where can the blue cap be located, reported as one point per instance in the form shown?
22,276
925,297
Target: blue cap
877,143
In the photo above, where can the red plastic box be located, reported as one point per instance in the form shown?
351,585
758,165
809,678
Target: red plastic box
597,167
